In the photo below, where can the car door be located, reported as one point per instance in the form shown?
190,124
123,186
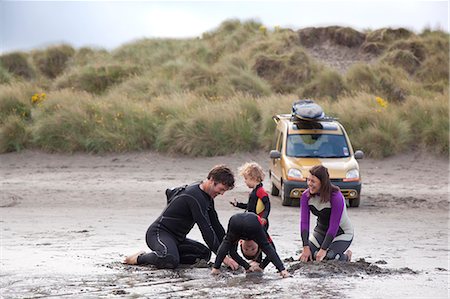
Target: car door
276,163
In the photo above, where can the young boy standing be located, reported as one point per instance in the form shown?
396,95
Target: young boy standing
258,200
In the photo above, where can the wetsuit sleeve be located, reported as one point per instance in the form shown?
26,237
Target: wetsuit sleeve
201,217
262,194
337,207
261,239
266,259
242,205
217,226
304,218
237,257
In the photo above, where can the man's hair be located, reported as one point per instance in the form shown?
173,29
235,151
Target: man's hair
251,257
252,170
222,174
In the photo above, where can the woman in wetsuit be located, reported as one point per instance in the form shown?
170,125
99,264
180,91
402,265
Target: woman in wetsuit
333,233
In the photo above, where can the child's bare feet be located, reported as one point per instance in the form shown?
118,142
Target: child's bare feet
349,255
132,259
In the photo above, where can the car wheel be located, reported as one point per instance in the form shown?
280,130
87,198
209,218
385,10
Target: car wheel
354,203
285,198
274,191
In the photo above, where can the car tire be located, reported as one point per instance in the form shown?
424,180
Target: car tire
274,191
285,198
354,203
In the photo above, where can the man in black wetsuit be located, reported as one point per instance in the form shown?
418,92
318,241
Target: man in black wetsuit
247,226
195,205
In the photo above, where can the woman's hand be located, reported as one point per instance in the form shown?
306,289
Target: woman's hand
321,255
306,254
215,271
285,274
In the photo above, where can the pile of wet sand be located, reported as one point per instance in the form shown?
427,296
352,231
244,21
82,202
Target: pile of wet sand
334,268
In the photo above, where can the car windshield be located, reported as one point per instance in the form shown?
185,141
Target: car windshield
317,146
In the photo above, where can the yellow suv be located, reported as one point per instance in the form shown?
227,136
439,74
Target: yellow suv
302,143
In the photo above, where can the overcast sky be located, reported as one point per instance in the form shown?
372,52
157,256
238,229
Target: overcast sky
26,25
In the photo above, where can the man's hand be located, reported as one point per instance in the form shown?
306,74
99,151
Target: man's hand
215,271
321,255
231,263
306,254
285,274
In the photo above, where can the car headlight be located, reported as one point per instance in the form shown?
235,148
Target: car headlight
295,175
352,175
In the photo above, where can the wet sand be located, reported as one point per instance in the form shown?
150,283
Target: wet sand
67,221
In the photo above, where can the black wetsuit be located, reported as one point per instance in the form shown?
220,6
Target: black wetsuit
167,235
246,226
258,203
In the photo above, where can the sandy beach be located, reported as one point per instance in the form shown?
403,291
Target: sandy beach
67,222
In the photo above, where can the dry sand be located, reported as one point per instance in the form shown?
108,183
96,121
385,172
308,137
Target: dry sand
67,221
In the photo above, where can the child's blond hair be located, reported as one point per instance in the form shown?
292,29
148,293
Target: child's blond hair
252,170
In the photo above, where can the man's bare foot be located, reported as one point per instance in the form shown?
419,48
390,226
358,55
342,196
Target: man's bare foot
349,255
132,259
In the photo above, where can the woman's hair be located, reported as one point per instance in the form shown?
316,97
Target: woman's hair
326,187
222,174
252,170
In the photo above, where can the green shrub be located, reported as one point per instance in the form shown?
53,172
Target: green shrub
85,56
349,37
16,63
70,122
388,35
327,83
373,125
380,79
343,36
236,78
403,59
231,36
285,73
385,137
199,78
415,46
5,76
151,53
52,61
375,48
122,127
217,129
14,134
144,87
360,77
15,99
96,79
434,72
429,122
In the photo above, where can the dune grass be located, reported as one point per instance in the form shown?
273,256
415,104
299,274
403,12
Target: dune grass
217,94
